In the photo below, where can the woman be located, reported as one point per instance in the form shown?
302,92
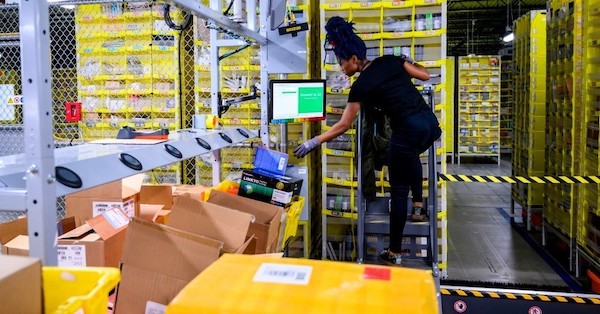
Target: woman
385,84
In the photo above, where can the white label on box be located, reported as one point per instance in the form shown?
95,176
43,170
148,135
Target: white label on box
302,170
71,255
155,308
129,208
281,163
100,207
116,218
281,196
283,273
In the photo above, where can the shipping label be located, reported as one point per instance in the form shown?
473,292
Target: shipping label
71,255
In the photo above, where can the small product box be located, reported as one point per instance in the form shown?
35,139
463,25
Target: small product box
269,188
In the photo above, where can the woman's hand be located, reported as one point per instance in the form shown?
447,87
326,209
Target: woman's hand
306,147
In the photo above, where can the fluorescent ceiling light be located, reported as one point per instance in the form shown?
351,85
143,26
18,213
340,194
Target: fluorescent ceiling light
508,38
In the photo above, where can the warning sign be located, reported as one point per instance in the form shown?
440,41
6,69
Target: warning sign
14,100
535,310
460,306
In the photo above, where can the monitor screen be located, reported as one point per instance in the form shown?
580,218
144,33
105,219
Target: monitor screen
297,100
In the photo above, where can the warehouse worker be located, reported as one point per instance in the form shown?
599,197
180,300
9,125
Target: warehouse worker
385,84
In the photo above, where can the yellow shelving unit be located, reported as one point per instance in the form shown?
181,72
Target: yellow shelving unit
126,64
588,215
507,105
414,28
563,115
479,106
530,111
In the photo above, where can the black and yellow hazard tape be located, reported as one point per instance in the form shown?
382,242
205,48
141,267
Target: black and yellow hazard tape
519,179
519,296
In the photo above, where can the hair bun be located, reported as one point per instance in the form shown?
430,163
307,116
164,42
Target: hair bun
338,30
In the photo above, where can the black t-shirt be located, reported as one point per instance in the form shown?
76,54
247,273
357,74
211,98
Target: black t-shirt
385,85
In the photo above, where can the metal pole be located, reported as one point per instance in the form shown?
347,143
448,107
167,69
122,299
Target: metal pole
432,204
360,199
215,86
283,129
264,75
34,26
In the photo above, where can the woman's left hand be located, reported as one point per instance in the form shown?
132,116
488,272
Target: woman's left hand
306,147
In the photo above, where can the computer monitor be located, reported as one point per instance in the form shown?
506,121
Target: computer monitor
296,101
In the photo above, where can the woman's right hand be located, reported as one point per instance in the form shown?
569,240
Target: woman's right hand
306,147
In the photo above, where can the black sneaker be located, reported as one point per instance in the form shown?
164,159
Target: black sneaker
420,214
390,259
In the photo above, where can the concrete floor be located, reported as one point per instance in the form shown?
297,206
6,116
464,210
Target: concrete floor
482,244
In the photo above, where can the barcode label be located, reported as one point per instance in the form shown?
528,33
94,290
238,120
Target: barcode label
283,273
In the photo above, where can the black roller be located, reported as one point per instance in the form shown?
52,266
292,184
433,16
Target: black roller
225,138
203,143
130,161
243,132
173,151
67,177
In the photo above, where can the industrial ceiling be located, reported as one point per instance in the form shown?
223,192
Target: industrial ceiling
477,26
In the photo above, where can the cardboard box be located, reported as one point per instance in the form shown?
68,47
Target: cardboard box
266,223
20,285
148,212
269,188
99,242
158,262
193,191
161,194
162,217
14,239
12,229
209,220
123,194
291,285
18,246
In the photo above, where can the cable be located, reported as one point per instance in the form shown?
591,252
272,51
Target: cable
228,8
186,22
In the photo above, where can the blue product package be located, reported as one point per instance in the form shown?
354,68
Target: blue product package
270,161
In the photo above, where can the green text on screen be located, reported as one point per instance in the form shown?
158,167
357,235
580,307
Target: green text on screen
310,100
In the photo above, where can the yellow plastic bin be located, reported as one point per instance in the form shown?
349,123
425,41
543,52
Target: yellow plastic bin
78,290
290,223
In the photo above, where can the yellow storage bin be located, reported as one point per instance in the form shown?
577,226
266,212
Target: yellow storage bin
78,290
257,284
292,214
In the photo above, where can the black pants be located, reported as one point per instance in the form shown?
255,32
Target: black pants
410,138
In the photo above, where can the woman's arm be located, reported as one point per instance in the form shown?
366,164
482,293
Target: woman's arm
343,125
417,71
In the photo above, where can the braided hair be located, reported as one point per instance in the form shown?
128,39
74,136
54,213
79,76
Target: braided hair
345,43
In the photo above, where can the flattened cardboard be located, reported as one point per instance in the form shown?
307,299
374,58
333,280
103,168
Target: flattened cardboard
266,225
158,262
157,195
19,246
212,221
20,284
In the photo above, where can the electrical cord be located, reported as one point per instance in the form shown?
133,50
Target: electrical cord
186,22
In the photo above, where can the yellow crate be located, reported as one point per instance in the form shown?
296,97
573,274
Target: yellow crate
78,290
258,284
292,216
